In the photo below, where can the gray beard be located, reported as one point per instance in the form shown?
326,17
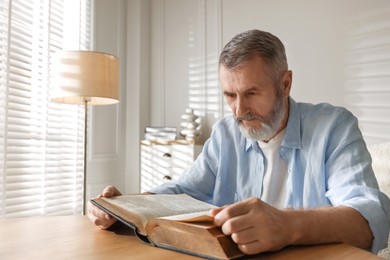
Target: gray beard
266,129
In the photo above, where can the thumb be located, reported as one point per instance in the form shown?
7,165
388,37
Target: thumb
110,191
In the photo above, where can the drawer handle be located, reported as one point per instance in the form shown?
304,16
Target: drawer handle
167,155
167,178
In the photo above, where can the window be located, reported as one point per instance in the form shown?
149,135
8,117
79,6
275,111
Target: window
41,142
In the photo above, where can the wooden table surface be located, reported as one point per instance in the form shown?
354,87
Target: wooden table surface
75,237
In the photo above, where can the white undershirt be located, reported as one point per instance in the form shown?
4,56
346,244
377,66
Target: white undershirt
275,174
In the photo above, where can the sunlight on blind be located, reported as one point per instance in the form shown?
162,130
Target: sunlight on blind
368,74
40,141
205,95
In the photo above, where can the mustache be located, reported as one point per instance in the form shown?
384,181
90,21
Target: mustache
249,117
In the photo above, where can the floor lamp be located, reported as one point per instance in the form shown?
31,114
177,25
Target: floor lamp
85,78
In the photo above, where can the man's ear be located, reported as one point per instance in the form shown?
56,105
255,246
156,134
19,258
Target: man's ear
286,83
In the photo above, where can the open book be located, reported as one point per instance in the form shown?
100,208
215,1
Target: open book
176,222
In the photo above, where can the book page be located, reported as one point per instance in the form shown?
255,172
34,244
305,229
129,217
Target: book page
202,216
148,207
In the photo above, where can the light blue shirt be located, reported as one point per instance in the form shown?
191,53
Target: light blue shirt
327,162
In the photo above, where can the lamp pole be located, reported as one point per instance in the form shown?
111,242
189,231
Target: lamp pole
85,156
97,83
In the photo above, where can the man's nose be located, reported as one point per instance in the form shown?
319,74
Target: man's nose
241,107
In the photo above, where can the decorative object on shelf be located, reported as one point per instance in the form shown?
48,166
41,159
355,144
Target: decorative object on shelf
85,78
190,125
162,134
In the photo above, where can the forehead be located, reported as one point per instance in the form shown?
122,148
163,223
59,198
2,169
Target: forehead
251,74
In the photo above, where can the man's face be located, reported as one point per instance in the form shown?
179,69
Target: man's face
261,111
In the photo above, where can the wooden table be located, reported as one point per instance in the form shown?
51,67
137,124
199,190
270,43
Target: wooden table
75,237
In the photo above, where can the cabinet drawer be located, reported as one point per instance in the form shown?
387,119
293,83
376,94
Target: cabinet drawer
161,163
151,178
169,156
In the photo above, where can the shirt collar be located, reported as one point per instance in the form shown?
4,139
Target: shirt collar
292,138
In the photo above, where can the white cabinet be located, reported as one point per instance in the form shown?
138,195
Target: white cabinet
161,162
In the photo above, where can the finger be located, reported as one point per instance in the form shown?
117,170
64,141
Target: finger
240,223
251,248
253,241
213,212
99,217
244,236
104,224
100,214
110,191
231,211
96,212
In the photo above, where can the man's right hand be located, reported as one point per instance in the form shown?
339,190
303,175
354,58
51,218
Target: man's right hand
99,217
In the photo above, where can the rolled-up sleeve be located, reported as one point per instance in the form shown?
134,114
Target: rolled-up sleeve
351,180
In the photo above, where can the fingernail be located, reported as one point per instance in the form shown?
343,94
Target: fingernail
216,217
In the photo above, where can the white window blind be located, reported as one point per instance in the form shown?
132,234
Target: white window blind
41,142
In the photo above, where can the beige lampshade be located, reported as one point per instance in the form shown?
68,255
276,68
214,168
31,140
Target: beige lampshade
79,76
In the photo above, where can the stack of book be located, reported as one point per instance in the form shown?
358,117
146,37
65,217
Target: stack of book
164,133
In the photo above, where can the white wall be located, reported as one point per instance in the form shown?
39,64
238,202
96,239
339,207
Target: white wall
122,29
339,52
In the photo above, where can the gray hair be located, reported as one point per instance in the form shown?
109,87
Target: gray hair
244,46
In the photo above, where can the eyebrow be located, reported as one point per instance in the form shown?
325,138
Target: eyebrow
246,91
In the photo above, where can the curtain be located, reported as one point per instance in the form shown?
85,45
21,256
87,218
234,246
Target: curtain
41,142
